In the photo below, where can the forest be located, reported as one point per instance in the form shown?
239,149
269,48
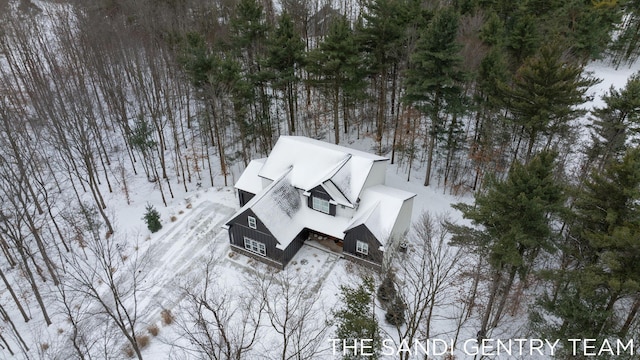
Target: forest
476,98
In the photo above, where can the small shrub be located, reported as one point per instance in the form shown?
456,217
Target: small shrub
167,317
173,218
128,351
395,313
387,290
143,341
189,206
153,330
44,346
152,219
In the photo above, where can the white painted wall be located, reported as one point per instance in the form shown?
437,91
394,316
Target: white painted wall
404,219
377,174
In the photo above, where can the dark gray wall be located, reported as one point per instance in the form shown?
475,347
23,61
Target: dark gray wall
295,245
319,192
361,233
239,228
244,197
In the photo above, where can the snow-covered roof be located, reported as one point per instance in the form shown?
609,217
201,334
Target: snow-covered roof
379,210
297,165
279,206
313,162
249,180
336,194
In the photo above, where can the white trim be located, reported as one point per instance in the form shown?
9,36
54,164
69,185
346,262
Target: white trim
319,204
362,247
252,222
255,247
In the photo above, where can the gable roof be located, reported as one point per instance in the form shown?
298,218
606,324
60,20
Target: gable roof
313,162
280,208
249,180
299,163
379,210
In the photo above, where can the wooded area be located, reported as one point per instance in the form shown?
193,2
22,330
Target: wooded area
482,96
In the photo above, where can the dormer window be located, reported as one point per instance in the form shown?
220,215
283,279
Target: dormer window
320,204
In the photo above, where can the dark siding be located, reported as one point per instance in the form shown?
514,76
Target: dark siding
361,233
244,197
295,245
319,192
239,228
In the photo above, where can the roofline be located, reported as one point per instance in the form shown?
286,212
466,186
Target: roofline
351,205
333,171
259,196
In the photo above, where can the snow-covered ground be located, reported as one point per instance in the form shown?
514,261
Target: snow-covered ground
192,237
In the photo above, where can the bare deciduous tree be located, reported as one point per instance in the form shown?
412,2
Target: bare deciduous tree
220,323
113,277
295,312
425,275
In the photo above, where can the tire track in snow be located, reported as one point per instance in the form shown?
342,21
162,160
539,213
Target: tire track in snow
177,254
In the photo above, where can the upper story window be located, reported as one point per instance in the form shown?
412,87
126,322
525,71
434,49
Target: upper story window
252,222
320,204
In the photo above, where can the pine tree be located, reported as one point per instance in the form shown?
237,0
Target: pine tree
434,78
626,47
609,219
356,319
492,32
589,28
335,68
614,123
285,55
544,96
152,219
514,219
383,40
249,29
523,38
602,255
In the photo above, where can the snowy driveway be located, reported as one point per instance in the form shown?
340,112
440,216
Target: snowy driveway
191,242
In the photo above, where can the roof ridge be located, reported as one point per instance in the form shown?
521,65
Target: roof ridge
333,171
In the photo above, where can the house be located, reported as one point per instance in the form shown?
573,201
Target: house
309,188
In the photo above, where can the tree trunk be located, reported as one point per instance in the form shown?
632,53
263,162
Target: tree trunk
13,295
336,112
503,299
632,315
32,282
497,279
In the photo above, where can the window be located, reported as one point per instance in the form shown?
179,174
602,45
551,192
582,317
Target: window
252,222
362,247
255,246
320,204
